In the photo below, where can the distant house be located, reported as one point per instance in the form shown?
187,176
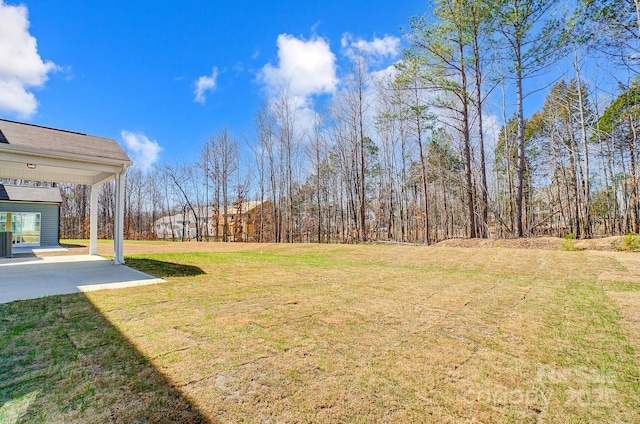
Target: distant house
178,226
32,214
242,223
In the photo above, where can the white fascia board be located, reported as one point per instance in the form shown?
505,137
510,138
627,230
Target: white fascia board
5,202
23,158
63,156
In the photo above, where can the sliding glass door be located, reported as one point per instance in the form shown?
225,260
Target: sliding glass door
25,227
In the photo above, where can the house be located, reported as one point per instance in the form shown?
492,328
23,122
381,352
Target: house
242,223
178,226
32,214
36,153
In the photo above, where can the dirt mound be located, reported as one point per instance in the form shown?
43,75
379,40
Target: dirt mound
544,243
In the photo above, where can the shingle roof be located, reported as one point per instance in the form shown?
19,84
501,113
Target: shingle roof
30,194
37,138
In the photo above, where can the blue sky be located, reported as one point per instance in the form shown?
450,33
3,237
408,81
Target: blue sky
129,70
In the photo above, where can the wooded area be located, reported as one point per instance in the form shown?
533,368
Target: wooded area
415,155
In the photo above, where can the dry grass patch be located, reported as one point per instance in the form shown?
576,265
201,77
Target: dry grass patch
309,333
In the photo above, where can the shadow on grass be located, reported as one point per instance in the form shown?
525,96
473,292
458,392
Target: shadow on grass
62,361
72,245
162,269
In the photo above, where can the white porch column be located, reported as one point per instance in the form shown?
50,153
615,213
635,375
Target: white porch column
93,221
118,226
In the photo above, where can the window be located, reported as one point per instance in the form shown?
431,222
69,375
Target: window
25,227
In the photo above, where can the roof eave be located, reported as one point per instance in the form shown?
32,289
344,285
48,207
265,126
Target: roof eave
66,156
44,202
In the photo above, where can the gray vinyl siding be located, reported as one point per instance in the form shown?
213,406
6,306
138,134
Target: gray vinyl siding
49,218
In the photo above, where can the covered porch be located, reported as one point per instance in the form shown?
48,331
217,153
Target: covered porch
35,153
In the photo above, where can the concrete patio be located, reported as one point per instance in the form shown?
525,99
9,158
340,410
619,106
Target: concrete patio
32,277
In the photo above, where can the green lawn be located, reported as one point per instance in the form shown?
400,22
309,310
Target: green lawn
312,333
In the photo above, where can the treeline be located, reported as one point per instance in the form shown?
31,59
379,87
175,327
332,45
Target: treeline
416,155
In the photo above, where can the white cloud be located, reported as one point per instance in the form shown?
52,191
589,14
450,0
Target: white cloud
204,84
305,67
387,74
21,67
143,151
377,49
